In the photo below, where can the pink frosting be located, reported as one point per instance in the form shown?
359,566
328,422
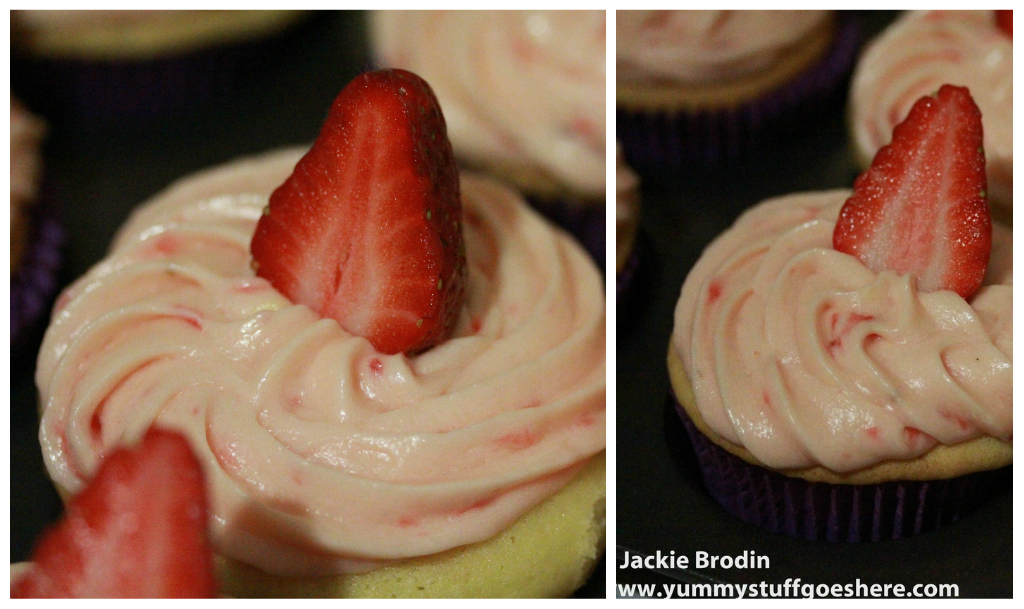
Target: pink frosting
706,46
914,57
517,87
805,357
323,455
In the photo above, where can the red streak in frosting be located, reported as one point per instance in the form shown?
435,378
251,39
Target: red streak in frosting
164,245
96,425
96,421
517,440
476,506
957,420
913,434
714,292
840,333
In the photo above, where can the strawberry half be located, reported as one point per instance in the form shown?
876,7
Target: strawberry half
368,228
138,530
921,207
1005,21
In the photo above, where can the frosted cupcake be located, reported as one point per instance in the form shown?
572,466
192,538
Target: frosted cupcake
524,96
110,66
474,468
919,52
36,234
702,86
829,399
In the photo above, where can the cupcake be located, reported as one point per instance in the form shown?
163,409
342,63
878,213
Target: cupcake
627,223
704,86
338,466
108,67
919,52
836,385
36,234
524,95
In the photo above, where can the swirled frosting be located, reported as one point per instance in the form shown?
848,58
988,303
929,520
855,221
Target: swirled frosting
913,58
321,454
517,87
804,357
706,46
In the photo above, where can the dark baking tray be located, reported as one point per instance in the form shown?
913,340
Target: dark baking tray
99,173
661,502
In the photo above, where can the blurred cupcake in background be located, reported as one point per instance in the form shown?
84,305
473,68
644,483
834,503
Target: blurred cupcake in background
110,67
36,234
704,86
523,93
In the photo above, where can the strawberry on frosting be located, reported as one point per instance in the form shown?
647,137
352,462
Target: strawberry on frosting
918,53
368,228
922,208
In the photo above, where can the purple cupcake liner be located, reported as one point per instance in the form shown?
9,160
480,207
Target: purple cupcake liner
34,282
585,222
654,141
129,92
835,512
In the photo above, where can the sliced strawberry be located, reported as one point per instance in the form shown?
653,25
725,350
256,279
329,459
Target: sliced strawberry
368,228
1005,21
921,207
138,530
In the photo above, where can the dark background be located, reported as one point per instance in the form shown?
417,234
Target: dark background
661,502
99,170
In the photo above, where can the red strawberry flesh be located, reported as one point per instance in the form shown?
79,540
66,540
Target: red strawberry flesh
1005,21
921,208
138,530
368,228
